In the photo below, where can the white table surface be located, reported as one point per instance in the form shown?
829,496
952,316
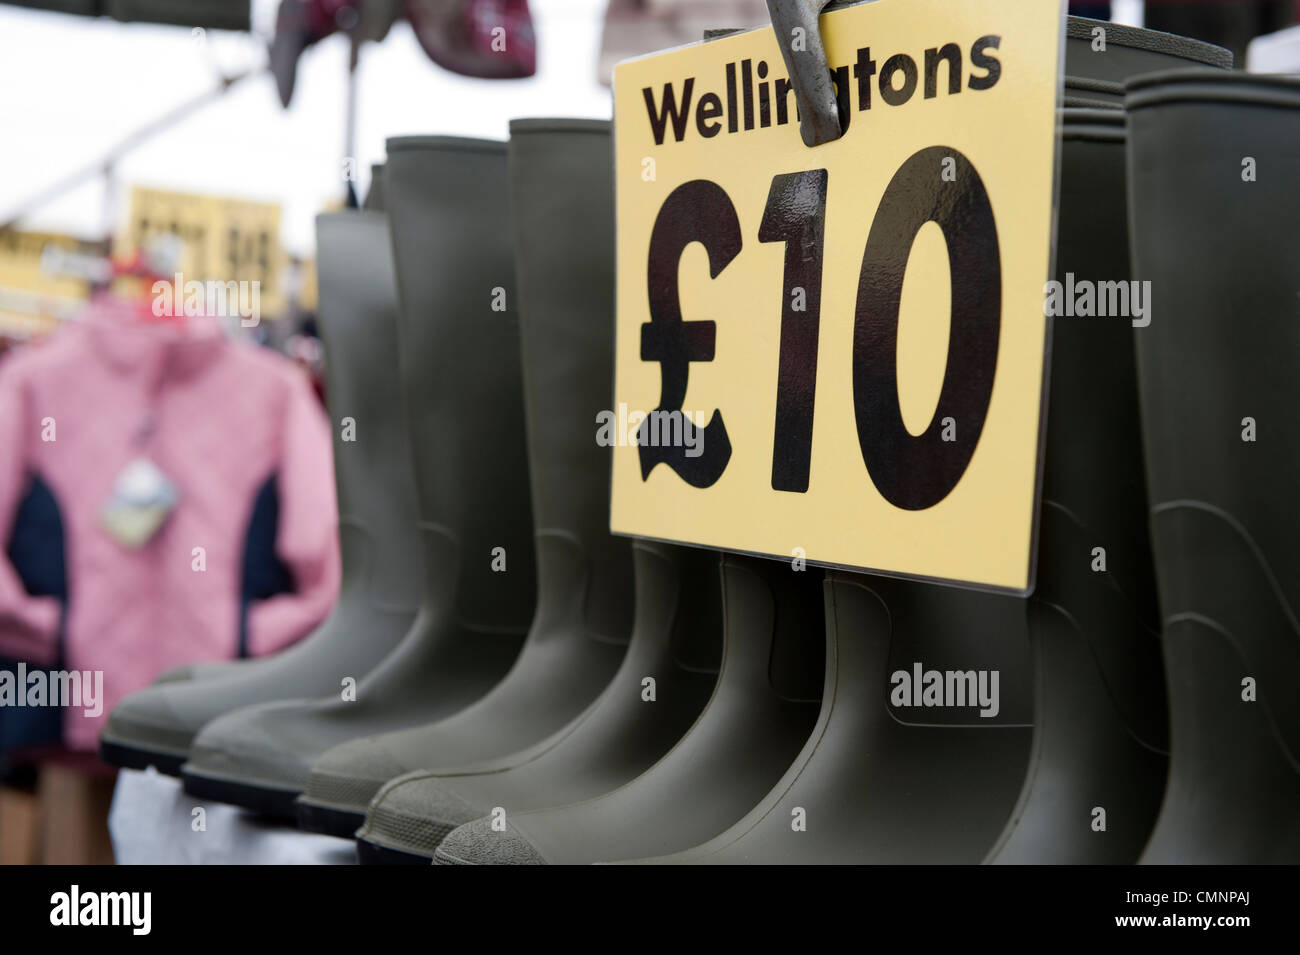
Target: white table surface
152,822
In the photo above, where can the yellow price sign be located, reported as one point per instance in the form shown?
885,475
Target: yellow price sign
837,353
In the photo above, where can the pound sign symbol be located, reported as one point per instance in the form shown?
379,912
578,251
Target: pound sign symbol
697,211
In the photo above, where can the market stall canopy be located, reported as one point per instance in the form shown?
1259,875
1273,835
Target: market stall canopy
209,14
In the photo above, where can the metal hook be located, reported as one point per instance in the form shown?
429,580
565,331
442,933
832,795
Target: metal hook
819,118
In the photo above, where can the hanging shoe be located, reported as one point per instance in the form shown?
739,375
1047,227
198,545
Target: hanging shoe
487,39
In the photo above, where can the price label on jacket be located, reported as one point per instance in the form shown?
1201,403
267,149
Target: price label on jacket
836,354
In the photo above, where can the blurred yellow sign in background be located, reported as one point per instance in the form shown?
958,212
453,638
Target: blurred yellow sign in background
223,239
32,300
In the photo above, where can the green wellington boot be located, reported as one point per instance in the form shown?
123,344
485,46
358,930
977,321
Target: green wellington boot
940,786
1213,163
1099,707
461,379
1098,730
564,835
1100,734
676,644
584,612
1094,772
763,707
1100,56
754,723
1096,766
1099,757
377,517
195,671
561,194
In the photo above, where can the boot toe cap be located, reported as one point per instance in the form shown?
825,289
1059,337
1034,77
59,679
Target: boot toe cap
423,794
348,776
477,843
256,744
149,720
415,812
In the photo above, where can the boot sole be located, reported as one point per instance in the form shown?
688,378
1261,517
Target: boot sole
443,858
128,756
263,800
371,853
327,820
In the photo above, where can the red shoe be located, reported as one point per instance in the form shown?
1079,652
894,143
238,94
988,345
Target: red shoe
488,39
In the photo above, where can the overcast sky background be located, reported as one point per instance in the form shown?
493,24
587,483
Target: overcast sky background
72,87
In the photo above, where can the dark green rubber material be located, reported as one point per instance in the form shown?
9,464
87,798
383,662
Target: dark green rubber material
375,195
560,199
201,671
371,854
140,757
869,787
1098,707
1099,757
265,800
198,671
584,611
462,384
1221,254
331,822
377,513
763,707
676,641
1095,77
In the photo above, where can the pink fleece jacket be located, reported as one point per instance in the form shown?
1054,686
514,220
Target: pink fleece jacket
225,417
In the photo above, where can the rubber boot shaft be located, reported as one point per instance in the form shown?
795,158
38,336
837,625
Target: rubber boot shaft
1099,757
1100,56
562,199
568,349
377,516
372,448
1213,162
470,464
584,609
